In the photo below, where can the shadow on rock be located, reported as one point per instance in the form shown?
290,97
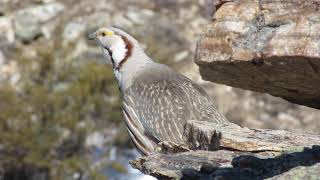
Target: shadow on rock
251,167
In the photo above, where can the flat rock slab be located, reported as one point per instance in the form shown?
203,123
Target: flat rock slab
231,165
265,46
243,154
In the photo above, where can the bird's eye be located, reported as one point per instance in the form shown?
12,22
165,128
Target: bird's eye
103,34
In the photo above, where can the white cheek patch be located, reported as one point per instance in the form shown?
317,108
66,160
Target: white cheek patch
119,51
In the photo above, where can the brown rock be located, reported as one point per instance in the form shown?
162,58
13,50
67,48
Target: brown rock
266,47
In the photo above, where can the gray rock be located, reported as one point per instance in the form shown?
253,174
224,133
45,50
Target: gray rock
14,79
29,22
121,21
43,1
95,139
73,31
2,58
9,72
181,56
61,87
6,30
139,17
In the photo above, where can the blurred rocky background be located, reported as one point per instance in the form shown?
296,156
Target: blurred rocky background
60,107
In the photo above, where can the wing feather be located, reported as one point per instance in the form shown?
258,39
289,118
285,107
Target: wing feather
136,130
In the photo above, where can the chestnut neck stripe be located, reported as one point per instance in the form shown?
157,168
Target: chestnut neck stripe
129,47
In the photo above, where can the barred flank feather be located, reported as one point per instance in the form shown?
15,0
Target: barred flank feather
163,101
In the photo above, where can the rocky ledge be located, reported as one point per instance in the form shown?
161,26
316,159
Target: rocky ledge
232,152
266,47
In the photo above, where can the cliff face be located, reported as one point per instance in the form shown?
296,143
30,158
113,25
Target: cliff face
271,47
266,47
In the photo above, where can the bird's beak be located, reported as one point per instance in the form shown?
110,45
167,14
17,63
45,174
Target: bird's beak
92,36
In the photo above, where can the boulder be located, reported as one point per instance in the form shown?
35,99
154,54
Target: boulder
6,30
30,22
265,47
73,31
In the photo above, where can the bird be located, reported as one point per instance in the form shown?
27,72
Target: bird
157,100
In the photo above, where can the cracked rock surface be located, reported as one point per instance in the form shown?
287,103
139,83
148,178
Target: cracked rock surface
265,47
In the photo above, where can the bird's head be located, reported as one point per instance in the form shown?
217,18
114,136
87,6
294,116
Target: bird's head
124,52
115,44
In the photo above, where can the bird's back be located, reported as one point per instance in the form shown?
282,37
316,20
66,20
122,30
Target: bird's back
163,101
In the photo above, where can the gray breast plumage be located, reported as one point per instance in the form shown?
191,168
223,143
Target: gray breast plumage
158,105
